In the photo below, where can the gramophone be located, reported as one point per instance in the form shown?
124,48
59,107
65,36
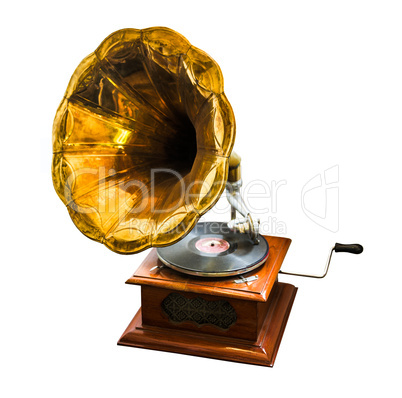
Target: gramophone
142,144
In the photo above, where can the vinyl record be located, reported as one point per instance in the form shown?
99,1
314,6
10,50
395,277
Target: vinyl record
211,249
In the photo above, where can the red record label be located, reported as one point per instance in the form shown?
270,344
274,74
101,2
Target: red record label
212,245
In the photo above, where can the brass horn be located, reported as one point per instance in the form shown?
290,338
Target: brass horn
141,140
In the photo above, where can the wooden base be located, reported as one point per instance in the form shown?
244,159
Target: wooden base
213,317
261,352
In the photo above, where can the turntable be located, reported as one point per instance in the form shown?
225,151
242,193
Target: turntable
142,144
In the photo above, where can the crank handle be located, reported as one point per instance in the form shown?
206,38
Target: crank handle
353,248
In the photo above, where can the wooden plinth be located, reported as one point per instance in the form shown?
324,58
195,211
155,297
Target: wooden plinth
259,311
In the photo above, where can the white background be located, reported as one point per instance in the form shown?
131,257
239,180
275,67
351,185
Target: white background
313,85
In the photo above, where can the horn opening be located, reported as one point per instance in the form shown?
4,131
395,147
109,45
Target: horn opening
145,101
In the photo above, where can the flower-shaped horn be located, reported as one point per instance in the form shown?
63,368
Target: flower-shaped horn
141,140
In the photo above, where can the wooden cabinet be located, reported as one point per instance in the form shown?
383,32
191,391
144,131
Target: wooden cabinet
216,318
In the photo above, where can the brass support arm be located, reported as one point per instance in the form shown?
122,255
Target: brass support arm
245,224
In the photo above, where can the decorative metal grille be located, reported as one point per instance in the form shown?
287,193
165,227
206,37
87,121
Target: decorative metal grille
198,310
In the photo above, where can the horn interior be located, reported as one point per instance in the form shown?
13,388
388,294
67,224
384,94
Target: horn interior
141,139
